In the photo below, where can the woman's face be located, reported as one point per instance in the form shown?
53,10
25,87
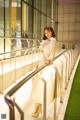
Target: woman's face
48,33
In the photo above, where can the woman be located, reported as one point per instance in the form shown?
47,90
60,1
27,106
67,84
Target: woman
48,46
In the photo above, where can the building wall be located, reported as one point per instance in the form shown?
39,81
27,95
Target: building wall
69,22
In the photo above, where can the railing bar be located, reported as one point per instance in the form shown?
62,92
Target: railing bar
44,99
19,109
17,38
17,50
17,86
55,95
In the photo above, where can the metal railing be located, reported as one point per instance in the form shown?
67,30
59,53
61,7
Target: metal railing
12,62
11,103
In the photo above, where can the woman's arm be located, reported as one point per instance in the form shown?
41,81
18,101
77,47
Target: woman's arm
53,49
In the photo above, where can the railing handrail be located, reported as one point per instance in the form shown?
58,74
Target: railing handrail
17,86
17,50
11,103
16,37
70,42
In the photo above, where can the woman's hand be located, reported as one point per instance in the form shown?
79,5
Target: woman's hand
48,62
37,66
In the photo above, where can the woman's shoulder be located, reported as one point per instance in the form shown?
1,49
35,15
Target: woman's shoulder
43,41
53,39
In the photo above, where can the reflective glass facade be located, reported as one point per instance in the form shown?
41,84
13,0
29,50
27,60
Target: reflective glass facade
19,17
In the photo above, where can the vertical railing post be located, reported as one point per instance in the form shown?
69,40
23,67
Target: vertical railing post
66,76
71,61
61,84
69,67
55,95
2,73
12,113
19,110
15,67
11,108
44,100
37,52
25,61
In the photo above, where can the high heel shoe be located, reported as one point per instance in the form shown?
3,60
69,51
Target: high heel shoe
38,111
36,107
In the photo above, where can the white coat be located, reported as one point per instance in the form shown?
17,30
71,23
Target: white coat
48,74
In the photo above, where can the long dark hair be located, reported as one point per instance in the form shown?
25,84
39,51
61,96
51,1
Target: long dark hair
49,28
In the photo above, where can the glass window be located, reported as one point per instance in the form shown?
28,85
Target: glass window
55,12
29,1
43,23
27,21
37,4
37,24
48,22
29,18
12,23
49,8
1,18
1,26
44,6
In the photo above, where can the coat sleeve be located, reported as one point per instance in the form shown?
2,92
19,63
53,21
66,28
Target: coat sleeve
53,49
